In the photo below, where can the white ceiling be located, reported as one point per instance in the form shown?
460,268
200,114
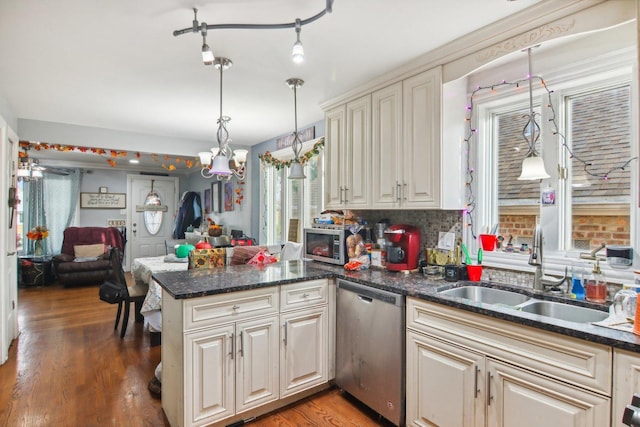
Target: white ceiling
116,65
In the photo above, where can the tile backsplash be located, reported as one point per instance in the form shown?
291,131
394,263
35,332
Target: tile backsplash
429,222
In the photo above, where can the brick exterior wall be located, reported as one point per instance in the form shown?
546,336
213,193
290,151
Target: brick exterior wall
596,229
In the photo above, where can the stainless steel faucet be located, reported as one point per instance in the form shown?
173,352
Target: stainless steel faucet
535,259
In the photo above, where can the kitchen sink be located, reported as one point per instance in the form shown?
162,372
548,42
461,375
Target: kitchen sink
526,304
562,311
487,295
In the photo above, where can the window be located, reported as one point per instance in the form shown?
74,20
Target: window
588,200
284,199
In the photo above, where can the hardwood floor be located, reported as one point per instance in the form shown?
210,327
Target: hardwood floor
69,367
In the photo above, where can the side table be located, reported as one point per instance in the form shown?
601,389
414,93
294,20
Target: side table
34,270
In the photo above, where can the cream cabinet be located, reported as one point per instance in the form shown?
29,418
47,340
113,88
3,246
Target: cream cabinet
226,348
626,382
419,183
387,177
304,344
235,355
446,386
348,170
495,373
415,159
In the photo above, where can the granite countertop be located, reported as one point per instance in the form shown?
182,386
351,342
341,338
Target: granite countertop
197,283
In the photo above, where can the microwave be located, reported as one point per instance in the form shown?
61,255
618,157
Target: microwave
327,244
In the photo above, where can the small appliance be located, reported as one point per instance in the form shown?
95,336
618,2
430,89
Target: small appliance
327,243
403,250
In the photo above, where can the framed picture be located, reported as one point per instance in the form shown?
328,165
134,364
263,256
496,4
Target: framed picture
207,200
216,197
103,200
103,190
228,196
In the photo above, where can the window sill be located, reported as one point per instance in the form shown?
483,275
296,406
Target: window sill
554,265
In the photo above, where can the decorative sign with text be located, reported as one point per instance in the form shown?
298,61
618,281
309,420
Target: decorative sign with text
306,134
103,200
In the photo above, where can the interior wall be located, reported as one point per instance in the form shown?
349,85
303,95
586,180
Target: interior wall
116,182
7,114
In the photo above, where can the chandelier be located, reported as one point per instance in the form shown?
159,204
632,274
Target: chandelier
297,171
532,165
297,52
28,168
216,163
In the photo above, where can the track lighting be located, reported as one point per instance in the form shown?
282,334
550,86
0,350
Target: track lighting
297,53
207,55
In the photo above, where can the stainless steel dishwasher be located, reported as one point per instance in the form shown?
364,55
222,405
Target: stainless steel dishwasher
370,348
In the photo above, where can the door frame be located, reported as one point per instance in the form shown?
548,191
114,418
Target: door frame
131,207
9,328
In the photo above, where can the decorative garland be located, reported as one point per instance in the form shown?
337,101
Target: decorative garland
268,158
111,155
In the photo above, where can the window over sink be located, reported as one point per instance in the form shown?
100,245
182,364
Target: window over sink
587,200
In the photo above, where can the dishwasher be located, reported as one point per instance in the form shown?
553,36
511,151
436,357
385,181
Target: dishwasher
370,348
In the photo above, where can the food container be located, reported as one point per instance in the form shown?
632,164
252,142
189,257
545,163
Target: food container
619,256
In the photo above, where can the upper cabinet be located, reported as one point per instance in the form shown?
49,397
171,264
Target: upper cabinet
348,169
401,157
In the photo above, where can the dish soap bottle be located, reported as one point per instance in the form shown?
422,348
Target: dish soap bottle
595,285
577,273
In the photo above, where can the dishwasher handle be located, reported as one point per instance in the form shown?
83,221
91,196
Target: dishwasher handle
371,293
365,299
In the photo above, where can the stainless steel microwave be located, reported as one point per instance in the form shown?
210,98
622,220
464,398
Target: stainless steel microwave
326,244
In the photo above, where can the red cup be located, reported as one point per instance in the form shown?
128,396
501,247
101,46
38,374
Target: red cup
474,272
488,242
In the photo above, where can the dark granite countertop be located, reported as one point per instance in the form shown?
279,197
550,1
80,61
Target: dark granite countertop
196,283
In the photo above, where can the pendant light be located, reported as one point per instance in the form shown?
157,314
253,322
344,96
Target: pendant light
216,162
533,164
296,170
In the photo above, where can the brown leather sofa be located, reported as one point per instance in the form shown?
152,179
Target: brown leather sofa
72,270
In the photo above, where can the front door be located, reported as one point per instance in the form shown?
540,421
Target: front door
8,258
149,219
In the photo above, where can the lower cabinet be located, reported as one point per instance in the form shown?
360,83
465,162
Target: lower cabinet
304,350
241,357
238,353
626,382
465,370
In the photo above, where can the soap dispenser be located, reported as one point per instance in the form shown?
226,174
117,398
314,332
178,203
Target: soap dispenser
595,285
577,277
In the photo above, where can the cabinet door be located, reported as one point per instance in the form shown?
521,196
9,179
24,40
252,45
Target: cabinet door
626,382
386,146
303,350
209,375
445,384
356,154
256,362
421,151
521,398
335,135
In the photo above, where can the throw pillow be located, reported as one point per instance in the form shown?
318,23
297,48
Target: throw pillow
83,251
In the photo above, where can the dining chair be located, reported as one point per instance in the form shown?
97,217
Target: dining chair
118,292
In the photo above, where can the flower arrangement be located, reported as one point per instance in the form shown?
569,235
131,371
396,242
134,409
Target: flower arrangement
38,233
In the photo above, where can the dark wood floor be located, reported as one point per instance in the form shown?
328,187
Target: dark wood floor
69,368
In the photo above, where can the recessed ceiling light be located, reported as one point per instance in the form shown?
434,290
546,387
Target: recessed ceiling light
134,161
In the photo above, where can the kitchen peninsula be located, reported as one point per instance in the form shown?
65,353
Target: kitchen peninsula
214,321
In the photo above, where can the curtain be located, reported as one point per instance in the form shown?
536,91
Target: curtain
60,205
33,211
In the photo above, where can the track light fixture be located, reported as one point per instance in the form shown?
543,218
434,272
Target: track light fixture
297,53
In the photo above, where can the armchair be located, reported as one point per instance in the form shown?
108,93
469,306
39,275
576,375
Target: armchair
84,258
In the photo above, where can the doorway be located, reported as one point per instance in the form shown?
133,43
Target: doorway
150,215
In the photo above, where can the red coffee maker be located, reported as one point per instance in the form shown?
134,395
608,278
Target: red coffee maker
404,248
